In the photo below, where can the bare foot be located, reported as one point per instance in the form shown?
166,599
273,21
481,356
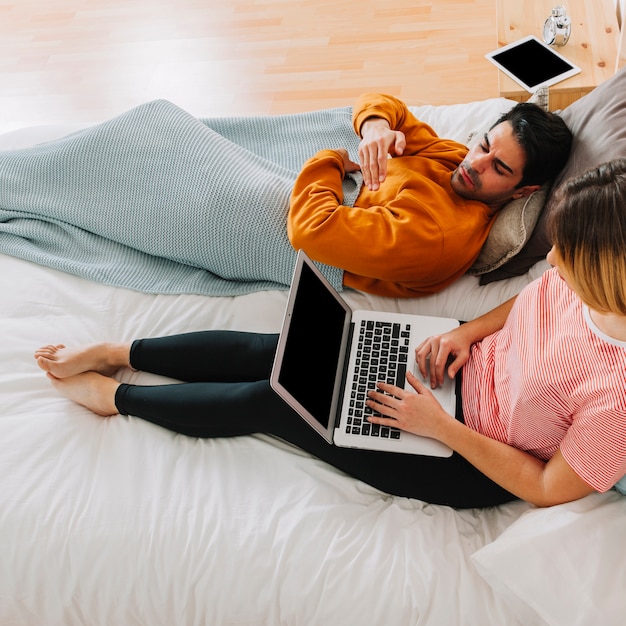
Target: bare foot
89,389
62,362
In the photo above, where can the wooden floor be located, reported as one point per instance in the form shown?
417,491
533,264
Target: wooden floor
87,60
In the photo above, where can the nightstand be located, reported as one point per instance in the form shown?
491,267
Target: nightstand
592,46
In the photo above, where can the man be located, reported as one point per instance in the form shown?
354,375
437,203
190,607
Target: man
159,201
422,216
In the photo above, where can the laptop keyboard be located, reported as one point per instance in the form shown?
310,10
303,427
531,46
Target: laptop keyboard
382,353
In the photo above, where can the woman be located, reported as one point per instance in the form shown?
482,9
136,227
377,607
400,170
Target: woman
542,414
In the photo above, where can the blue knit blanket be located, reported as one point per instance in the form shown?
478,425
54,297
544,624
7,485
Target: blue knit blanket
159,201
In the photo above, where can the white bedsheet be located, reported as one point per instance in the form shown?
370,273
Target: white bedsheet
118,522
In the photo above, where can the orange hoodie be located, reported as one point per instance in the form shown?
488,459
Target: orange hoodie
414,235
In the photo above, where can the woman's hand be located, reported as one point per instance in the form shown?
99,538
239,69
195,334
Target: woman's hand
434,353
378,141
417,412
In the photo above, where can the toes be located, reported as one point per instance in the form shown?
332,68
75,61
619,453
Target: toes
49,350
43,363
43,354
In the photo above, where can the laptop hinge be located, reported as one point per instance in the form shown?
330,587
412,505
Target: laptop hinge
344,375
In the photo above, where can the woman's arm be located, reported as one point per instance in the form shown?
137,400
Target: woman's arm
517,471
522,474
433,354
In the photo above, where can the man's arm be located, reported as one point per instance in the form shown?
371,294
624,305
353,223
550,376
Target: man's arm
382,106
387,128
351,238
378,242
378,141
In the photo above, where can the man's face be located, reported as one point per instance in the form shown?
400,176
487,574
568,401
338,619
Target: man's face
492,168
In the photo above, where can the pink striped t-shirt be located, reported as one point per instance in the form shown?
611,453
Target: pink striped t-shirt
550,379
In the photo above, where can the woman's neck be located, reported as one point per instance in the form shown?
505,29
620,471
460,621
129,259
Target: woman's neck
610,324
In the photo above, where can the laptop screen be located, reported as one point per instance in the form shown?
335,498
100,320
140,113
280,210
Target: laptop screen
312,346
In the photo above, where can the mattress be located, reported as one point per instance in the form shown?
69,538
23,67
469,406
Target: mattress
116,521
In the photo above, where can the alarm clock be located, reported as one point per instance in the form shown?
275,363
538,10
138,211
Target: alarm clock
557,28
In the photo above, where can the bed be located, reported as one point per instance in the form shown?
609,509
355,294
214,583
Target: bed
116,521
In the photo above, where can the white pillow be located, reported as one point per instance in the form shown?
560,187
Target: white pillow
565,563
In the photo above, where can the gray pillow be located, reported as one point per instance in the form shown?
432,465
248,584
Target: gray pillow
510,232
598,123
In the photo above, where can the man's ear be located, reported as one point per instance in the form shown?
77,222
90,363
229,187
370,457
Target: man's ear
524,191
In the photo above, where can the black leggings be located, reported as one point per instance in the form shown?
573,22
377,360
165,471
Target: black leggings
226,393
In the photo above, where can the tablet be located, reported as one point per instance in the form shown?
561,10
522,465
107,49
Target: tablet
532,63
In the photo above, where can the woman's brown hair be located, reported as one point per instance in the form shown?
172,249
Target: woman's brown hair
588,229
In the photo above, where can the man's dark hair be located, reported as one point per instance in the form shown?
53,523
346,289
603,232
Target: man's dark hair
545,139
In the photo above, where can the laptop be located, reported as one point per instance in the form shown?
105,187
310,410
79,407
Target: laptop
329,357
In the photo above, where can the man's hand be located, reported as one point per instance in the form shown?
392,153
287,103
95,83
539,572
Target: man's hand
378,141
348,165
